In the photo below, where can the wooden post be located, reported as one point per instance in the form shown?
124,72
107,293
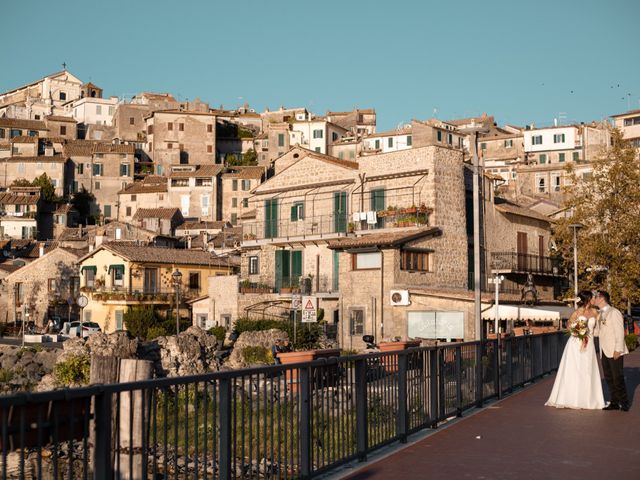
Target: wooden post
133,427
104,371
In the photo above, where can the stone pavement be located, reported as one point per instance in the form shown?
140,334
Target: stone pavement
519,438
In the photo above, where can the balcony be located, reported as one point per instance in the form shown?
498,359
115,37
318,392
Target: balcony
319,286
512,262
157,295
309,228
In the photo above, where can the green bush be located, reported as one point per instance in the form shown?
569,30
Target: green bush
218,332
6,375
632,341
156,331
257,354
73,371
138,320
247,325
307,334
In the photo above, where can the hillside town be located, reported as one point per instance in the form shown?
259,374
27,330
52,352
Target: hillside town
224,214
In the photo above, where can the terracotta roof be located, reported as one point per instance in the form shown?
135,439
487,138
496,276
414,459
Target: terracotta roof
323,157
9,267
181,112
195,225
12,198
80,150
114,148
19,123
391,133
49,246
248,214
630,112
384,239
64,208
244,172
199,171
164,213
507,207
60,118
24,139
147,254
87,148
40,158
144,187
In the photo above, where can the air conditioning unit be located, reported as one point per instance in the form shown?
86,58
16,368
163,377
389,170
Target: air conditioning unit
399,298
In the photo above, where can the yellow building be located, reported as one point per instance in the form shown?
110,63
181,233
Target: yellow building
117,276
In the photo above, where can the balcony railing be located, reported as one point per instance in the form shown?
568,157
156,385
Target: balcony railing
525,263
310,227
303,285
142,294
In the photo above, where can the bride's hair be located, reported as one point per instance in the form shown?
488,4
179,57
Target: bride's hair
584,297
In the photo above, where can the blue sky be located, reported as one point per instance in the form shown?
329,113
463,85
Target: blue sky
523,62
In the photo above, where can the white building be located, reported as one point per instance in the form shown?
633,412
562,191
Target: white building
315,135
559,144
94,111
390,141
629,124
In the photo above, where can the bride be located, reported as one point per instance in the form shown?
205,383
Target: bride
578,383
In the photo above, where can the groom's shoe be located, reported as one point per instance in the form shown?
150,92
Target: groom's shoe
612,406
624,407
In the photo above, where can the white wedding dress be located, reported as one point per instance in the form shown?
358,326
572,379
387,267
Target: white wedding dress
578,383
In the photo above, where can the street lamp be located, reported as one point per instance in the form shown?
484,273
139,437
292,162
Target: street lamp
473,130
575,227
177,280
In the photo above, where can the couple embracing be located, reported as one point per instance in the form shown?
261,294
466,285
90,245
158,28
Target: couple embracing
578,383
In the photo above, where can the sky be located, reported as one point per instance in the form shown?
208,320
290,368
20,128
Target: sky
523,62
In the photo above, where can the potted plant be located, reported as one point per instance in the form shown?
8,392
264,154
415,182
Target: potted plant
351,227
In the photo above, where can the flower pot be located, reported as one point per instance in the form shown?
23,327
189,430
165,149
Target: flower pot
391,361
329,375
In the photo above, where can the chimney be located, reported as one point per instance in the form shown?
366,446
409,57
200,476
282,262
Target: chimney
41,253
189,242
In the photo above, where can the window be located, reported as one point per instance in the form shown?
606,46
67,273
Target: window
555,183
367,261
334,136
132,121
89,276
377,147
169,146
2,132
19,292
318,149
98,109
414,260
201,320
124,169
341,155
281,139
234,202
80,168
439,136
254,266
209,148
209,128
246,185
234,218
51,283
542,158
541,184
204,182
150,129
117,275
234,185
181,127
184,205
119,319
74,286
483,146
15,132
576,156
128,211
271,218
561,157
111,110
356,321
409,140
245,202
33,133
97,169
318,134
170,126
449,139
352,154
558,138
508,143
297,211
107,211
390,142
536,140
63,96
194,280
96,186
63,130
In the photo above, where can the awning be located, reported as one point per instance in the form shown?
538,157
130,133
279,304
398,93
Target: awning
89,267
116,267
517,312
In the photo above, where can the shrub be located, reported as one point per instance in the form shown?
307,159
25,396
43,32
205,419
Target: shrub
307,334
348,353
247,325
6,375
632,341
73,371
138,320
257,354
218,332
156,331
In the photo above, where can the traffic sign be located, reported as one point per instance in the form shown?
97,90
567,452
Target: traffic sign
296,302
309,309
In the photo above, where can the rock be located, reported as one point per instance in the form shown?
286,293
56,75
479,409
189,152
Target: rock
117,344
48,382
46,358
262,338
9,358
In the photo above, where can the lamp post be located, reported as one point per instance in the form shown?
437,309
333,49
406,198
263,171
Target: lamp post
177,279
575,227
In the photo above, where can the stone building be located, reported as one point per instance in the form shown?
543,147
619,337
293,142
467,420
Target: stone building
56,166
236,186
22,215
161,220
629,124
359,121
501,149
151,192
61,127
195,189
92,236
14,127
180,137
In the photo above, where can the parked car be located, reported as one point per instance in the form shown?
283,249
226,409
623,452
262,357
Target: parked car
73,329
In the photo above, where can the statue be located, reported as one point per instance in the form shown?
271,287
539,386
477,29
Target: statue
529,292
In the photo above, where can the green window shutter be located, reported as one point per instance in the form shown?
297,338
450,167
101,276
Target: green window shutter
378,203
296,265
543,159
340,211
271,218
576,156
561,157
377,144
336,270
294,212
283,269
119,319
281,139
409,140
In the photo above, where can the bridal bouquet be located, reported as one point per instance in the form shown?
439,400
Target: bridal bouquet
580,330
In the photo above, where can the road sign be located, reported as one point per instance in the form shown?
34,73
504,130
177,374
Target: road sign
309,309
296,302
71,300
82,301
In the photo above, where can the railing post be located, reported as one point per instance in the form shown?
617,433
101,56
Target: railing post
497,369
479,374
434,391
102,465
509,363
305,422
459,381
225,429
402,422
361,410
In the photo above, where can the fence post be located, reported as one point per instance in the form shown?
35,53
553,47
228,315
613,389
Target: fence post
459,381
479,374
434,390
402,419
103,467
225,428
361,410
498,368
305,422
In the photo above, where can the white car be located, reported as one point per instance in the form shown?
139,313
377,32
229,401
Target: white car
73,329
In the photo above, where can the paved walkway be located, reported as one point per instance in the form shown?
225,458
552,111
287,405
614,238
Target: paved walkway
519,438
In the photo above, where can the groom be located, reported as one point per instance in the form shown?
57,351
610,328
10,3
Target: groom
610,329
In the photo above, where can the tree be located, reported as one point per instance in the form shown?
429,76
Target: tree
248,158
82,201
607,204
47,190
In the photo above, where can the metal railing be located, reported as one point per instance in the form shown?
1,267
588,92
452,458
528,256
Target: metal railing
317,226
284,421
526,263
